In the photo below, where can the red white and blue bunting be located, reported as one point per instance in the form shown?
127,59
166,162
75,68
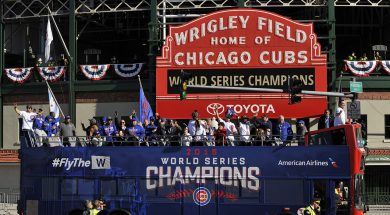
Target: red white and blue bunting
94,72
51,74
386,65
18,75
361,68
128,70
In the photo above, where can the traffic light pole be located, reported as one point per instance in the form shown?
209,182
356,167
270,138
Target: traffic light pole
305,92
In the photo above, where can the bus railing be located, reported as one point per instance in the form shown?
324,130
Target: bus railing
9,198
163,140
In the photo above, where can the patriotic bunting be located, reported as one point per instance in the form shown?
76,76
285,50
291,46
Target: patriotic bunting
361,68
51,74
18,75
127,70
386,66
94,72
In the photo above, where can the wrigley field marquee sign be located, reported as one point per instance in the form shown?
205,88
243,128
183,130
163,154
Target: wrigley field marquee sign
240,48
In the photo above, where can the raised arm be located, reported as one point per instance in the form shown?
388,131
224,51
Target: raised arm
16,109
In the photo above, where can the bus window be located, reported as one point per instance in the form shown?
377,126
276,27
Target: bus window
331,137
359,191
108,187
85,186
282,191
69,186
342,197
50,188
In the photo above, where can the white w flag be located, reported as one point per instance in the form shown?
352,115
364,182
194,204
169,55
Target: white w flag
49,39
53,105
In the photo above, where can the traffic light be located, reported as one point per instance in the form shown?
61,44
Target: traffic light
184,77
295,87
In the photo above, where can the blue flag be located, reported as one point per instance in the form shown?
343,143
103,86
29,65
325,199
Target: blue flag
145,111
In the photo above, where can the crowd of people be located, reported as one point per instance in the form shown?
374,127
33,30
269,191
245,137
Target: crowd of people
364,57
94,207
232,130
43,130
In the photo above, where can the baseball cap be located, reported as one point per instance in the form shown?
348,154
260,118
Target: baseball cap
92,120
67,117
301,122
109,118
265,115
151,118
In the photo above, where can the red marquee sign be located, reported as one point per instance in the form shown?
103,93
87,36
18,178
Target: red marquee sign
240,48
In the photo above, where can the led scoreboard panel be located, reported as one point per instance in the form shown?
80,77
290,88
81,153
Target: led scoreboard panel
240,48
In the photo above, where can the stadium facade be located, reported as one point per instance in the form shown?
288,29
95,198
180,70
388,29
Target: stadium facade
133,32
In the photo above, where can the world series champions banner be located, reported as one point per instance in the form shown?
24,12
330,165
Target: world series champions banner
240,48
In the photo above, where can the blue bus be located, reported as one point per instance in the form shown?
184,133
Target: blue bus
198,180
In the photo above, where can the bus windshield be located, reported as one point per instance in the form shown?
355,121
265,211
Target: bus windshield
359,138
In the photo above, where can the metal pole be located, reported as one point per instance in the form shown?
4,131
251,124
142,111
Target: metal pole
72,69
332,51
59,33
153,46
55,100
305,92
2,26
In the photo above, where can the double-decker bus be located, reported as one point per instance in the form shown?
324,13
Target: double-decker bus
198,180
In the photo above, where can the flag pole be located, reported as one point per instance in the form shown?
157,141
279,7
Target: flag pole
139,79
59,33
55,100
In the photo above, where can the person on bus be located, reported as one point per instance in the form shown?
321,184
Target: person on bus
109,130
38,127
28,117
339,193
244,130
340,117
92,132
326,120
220,135
67,130
88,207
314,208
301,131
283,130
230,127
96,207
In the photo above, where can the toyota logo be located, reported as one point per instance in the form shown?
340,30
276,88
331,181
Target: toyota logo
215,107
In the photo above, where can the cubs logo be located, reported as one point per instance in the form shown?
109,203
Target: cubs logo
202,196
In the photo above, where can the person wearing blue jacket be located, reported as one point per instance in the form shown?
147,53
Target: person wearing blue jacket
283,130
38,127
109,130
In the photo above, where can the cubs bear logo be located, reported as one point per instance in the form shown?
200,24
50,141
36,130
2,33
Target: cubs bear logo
202,196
